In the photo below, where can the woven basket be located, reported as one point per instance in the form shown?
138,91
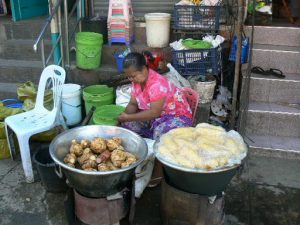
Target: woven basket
205,89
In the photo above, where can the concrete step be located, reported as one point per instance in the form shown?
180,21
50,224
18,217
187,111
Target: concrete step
284,58
108,51
108,69
8,90
105,73
18,71
276,90
25,29
21,50
286,36
274,146
273,119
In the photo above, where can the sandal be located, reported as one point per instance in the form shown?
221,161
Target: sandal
273,72
258,70
276,72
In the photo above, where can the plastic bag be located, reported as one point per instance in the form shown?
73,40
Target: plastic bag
205,147
176,78
211,2
123,94
27,92
244,51
143,172
4,149
185,2
214,40
177,45
5,112
2,130
28,104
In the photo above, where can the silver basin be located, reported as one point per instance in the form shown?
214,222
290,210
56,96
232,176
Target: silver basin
197,181
98,184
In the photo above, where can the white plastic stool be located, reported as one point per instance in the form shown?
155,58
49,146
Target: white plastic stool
39,119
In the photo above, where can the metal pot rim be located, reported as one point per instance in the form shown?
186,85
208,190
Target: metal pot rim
190,170
57,161
184,169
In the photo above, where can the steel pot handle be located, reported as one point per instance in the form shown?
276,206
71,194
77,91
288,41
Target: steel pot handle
58,172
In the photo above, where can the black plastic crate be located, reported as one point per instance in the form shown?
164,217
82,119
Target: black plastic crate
191,17
197,61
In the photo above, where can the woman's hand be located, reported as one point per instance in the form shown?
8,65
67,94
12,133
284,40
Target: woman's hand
146,115
132,106
123,117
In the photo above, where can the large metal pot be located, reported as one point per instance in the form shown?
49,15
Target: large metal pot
196,181
98,184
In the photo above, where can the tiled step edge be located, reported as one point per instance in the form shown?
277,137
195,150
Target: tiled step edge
274,146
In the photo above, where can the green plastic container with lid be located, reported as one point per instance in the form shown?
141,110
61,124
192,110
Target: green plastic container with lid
97,95
88,50
107,115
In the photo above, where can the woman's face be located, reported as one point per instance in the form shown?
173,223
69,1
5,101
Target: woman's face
137,76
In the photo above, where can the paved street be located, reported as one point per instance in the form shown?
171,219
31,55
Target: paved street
266,193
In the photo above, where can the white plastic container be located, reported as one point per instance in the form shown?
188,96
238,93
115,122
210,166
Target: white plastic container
71,103
158,29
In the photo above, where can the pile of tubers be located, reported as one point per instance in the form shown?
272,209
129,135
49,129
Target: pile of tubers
99,155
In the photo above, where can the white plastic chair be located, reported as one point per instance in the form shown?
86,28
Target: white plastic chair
37,120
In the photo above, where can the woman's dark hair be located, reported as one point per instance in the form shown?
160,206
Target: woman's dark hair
135,60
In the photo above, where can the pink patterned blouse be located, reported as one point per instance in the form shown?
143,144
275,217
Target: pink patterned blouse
157,87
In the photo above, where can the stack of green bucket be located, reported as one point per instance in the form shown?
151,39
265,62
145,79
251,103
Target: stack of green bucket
107,115
97,95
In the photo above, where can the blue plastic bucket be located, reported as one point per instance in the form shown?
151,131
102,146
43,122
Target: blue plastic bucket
119,60
12,103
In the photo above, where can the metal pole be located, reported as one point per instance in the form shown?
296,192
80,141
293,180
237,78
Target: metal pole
62,61
91,8
237,62
66,17
244,98
43,52
79,14
54,31
48,20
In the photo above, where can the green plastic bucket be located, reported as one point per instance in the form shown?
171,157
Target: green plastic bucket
107,115
97,95
88,50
